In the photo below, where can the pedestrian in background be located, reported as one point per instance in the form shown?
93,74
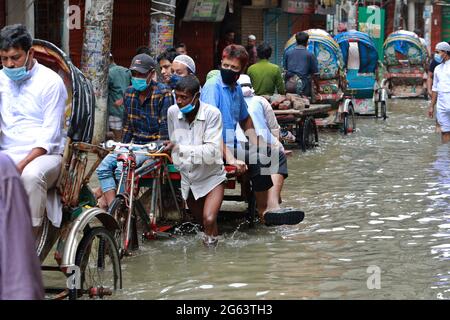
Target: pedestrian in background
251,49
119,80
266,77
441,90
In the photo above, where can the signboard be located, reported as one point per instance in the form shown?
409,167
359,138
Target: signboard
446,22
205,10
371,20
298,6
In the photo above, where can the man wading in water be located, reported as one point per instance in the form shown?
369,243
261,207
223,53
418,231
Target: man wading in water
441,90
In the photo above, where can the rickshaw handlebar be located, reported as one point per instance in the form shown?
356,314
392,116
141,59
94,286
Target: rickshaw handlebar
153,149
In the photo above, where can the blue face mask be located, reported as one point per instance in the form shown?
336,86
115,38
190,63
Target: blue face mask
139,84
174,79
438,58
18,74
190,107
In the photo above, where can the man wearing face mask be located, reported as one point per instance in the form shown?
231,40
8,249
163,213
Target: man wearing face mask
146,103
165,61
226,94
182,66
441,90
32,103
195,130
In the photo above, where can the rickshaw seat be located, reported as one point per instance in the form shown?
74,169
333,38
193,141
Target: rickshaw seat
360,86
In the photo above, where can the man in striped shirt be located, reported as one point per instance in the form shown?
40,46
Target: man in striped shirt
146,103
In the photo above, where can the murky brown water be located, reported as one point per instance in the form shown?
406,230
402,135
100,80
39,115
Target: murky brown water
376,198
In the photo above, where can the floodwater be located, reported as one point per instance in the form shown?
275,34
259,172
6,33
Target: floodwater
377,226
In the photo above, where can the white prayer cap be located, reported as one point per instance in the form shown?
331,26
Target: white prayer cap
443,46
246,83
251,37
187,61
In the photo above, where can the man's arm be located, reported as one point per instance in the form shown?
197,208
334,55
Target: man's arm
430,83
127,130
35,153
434,96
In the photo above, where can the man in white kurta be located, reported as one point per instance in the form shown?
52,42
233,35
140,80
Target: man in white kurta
441,90
32,105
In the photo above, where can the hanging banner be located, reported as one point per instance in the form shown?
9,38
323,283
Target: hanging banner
371,20
205,10
325,7
298,6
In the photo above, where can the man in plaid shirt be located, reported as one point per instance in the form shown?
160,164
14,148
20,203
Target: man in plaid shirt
146,103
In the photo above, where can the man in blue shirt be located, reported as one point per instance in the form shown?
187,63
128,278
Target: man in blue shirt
226,94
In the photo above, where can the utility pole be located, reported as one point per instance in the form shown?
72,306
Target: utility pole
95,59
162,25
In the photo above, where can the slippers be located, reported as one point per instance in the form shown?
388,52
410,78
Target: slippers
280,217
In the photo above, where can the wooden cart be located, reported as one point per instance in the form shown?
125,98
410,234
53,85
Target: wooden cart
303,122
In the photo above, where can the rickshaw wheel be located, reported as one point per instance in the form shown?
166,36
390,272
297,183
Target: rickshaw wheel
98,259
119,211
349,121
383,110
46,238
307,134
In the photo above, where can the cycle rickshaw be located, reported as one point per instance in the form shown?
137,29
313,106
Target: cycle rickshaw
328,105
86,250
405,58
361,63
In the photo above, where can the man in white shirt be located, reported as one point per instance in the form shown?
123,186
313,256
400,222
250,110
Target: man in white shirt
32,105
441,90
266,127
195,130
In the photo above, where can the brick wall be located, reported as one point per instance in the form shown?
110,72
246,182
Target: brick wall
252,23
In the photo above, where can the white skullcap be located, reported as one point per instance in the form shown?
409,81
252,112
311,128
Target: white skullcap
244,80
443,46
251,37
187,61
246,83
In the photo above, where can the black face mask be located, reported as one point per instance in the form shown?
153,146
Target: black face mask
229,77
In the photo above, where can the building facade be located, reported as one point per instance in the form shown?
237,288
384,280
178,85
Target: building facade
201,24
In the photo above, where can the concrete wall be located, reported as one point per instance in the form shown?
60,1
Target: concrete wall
21,11
252,23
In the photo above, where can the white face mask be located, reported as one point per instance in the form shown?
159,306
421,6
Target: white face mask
248,92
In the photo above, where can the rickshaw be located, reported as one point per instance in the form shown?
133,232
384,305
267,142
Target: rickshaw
334,109
86,250
361,63
405,58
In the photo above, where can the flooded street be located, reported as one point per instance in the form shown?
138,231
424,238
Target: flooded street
378,198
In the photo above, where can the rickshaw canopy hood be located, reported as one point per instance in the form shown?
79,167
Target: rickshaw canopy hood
367,51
